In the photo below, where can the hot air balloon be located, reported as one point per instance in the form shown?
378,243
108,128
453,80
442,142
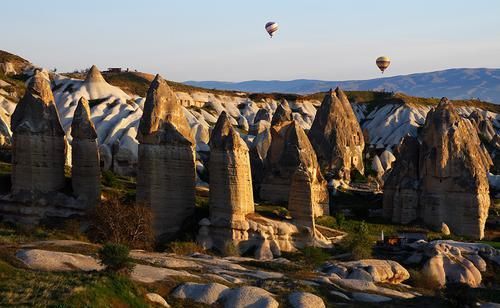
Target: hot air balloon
271,27
383,63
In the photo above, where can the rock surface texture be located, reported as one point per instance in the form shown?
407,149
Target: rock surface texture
290,148
38,154
166,167
231,196
386,271
447,181
85,171
337,137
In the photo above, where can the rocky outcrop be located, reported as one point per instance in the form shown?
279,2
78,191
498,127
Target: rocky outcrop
289,149
85,171
38,154
447,181
337,137
166,168
373,270
231,196
446,261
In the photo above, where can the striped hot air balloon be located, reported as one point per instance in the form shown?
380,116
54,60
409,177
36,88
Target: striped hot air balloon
271,27
383,63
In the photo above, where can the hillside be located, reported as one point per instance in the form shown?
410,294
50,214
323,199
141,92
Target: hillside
116,107
462,83
137,83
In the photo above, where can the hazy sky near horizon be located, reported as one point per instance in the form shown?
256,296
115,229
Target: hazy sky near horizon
226,40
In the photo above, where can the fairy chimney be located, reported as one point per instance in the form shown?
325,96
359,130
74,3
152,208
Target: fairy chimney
85,155
166,166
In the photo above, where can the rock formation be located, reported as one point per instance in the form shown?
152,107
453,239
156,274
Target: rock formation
337,137
85,155
401,187
447,181
289,149
303,203
484,127
166,166
231,197
38,142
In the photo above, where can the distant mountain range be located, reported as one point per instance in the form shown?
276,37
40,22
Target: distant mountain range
461,83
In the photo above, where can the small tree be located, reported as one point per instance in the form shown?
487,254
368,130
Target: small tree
359,242
127,224
115,257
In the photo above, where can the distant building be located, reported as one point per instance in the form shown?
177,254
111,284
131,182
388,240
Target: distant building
114,69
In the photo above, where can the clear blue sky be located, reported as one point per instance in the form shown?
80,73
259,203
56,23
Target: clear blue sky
226,40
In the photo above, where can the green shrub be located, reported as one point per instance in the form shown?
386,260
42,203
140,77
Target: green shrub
115,257
358,243
109,179
340,219
315,256
326,221
184,248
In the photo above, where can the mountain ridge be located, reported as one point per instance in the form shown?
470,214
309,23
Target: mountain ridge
455,83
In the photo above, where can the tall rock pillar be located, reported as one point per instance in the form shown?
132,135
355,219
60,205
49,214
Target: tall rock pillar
85,170
38,154
231,196
166,168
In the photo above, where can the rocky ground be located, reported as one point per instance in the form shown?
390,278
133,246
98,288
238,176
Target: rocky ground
54,271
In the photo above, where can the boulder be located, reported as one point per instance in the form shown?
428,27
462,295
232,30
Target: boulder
445,229
157,299
44,260
201,293
386,271
248,297
449,266
305,300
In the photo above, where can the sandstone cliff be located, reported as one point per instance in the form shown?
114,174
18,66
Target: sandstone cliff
85,169
337,137
166,169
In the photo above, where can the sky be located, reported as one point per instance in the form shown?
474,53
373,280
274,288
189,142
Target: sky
225,40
